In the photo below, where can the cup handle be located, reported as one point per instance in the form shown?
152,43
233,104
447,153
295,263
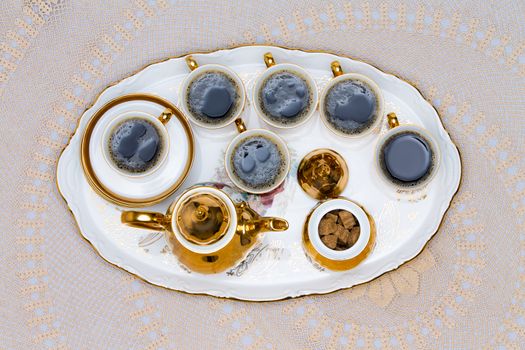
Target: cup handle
337,70
145,219
166,116
241,127
192,64
269,60
392,120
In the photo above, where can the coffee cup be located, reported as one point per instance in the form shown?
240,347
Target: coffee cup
407,156
212,95
136,143
256,161
160,178
351,105
284,95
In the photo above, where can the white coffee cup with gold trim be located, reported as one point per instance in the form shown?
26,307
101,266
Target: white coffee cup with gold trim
130,117
284,95
407,157
212,96
351,105
257,161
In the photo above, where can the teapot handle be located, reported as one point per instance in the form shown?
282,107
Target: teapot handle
145,219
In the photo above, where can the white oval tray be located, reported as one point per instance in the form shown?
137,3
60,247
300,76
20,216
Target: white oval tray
278,268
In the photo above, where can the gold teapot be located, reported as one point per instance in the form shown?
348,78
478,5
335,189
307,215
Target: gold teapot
206,229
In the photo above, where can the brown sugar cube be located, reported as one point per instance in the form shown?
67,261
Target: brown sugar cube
326,227
353,236
331,217
347,219
330,241
342,234
342,242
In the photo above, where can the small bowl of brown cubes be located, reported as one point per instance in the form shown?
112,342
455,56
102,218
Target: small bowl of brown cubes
338,234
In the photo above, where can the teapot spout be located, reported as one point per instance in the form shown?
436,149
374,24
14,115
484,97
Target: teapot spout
251,223
249,229
273,224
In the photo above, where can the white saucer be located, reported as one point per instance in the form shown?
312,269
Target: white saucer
131,190
144,186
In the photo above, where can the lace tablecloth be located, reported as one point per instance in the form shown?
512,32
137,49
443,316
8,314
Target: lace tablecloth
465,290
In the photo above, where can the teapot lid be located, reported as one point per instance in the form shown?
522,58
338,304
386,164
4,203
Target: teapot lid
323,174
203,218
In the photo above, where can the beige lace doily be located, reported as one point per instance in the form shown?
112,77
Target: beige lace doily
467,288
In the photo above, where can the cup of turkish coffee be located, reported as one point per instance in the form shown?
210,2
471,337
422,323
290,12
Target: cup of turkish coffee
285,95
407,157
212,95
136,143
351,105
257,161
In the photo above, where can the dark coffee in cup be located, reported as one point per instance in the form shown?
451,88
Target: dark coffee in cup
351,106
407,159
285,97
258,162
135,145
213,97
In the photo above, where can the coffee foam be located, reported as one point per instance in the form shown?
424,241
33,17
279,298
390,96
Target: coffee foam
197,89
276,87
266,173
339,93
134,164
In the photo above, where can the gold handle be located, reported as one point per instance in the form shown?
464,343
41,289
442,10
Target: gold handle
269,60
192,64
337,70
145,219
241,127
166,116
392,120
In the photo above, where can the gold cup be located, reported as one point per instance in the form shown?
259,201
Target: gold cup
323,174
206,230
